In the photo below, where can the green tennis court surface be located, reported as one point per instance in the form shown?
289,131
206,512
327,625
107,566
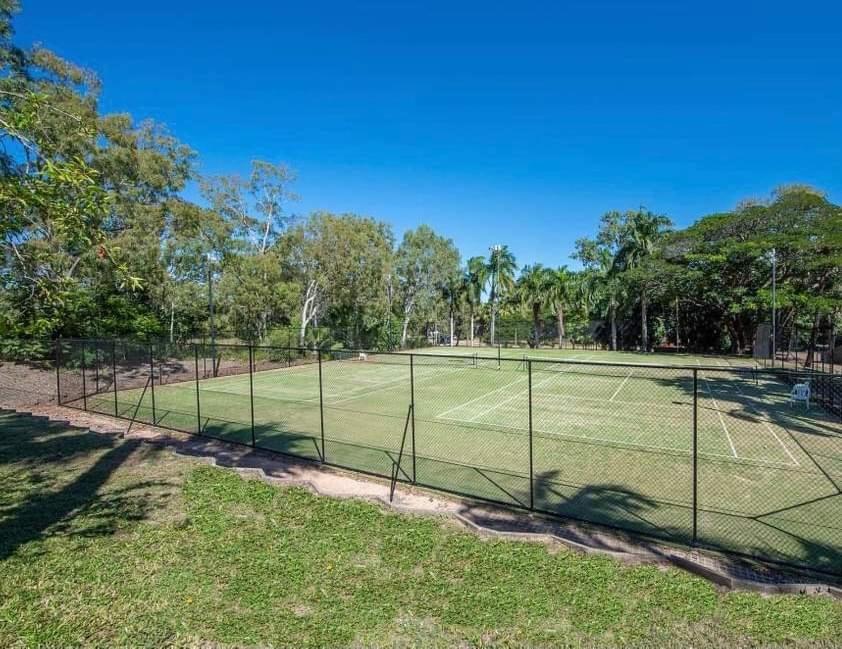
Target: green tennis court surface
610,444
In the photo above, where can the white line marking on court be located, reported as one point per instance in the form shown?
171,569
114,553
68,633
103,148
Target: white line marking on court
780,441
721,418
364,392
482,396
617,391
521,393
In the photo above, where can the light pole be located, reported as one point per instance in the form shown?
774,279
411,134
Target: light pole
495,278
210,311
774,258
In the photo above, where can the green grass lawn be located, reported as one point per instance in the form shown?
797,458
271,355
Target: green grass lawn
611,444
106,542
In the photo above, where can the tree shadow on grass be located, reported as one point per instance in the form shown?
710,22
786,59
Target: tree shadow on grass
53,479
614,505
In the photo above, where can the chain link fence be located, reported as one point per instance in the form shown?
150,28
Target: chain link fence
714,456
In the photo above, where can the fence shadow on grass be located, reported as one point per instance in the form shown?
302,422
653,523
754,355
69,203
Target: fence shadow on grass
40,498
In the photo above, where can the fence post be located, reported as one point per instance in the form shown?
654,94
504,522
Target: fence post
152,380
412,406
321,404
251,392
84,387
114,375
58,370
695,455
198,401
531,482
96,367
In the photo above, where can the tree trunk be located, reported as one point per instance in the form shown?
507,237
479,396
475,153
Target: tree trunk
560,316
612,315
172,321
536,325
451,328
814,333
472,327
403,330
644,325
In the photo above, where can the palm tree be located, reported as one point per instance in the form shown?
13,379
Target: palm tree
601,288
560,289
476,277
643,232
533,289
501,273
451,291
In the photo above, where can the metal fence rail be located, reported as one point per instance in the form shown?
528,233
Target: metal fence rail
705,455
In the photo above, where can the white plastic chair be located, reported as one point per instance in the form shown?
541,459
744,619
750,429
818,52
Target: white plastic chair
800,392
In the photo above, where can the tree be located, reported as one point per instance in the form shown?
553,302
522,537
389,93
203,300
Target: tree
342,264
424,262
476,277
559,295
501,277
533,290
640,234
254,207
53,202
452,291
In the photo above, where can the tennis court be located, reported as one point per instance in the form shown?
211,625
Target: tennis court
598,436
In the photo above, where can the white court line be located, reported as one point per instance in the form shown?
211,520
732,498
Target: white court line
721,418
482,396
521,393
650,447
617,391
388,386
765,423
791,456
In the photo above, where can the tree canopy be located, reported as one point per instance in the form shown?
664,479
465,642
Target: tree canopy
98,239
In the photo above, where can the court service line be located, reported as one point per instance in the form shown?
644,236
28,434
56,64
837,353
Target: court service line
520,394
617,391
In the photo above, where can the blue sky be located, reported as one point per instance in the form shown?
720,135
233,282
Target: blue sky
518,123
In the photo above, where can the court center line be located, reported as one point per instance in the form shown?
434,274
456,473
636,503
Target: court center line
617,391
768,426
719,412
780,441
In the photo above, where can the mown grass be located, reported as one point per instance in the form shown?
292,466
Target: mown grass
109,543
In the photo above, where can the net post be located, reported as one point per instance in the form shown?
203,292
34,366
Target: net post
321,403
531,468
695,455
152,379
199,430
251,392
84,387
114,375
58,370
412,407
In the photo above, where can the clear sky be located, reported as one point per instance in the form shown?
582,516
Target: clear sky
516,122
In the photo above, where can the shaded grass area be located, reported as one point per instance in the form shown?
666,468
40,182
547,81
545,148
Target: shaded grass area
108,542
